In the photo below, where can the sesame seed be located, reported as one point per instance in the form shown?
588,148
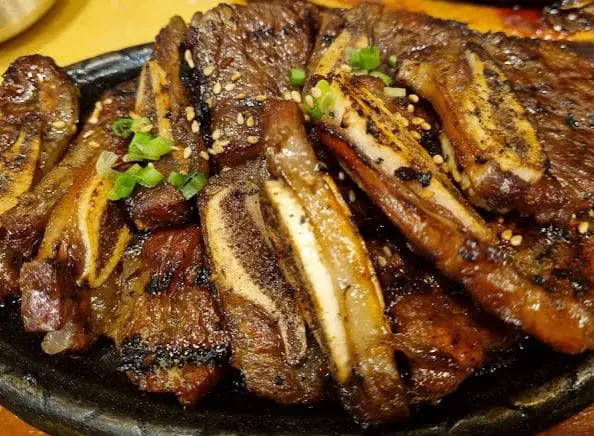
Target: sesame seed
573,216
426,126
189,60
93,120
217,88
261,97
94,144
217,147
252,139
381,261
147,128
346,68
190,113
316,92
417,121
405,122
387,251
195,126
204,155
187,152
287,95
208,70
410,108
507,234
88,133
216,135
108,101
240,119
236,76
296,96
500,220
134,115
309,101
211,151
416,135
414,98
583,227
352,196
175,148
99,106
59,124
438,159
250,121
306,117
240,96
516,240
229,86
340,175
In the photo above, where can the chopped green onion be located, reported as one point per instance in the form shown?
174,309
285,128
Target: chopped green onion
134,169
395,92
149,177
324,103
139,123
316,113
196,182
297,76
104,165
323,86
360,73
366,58
392,60
123,186
122,127
145,147
177,179
385,78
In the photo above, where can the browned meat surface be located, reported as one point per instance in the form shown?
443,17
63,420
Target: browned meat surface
325,259
163,99
166,324
25,223
269,343
242,55
38,116
439,332
476,82
570,15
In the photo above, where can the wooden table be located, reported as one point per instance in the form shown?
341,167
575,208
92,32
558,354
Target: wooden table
77,29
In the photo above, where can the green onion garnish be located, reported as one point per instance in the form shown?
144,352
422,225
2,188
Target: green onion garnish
149,177
188,185
297,76
145,147
134,169
105,163
123,186
392,60
195,183
395,92
325,101
385,78
367,58
122,127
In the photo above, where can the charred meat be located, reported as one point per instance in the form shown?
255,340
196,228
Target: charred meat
269,342
166,323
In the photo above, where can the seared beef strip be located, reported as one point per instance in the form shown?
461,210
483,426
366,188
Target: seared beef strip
269,343
25,223
166,323
38,116
325,259
242,56
163,99
445,61
375,146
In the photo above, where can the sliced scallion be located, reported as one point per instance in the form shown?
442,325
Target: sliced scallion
384,77
297,76
196,182
149,177
123,186
392,60
366,58
105,163
122,127
177,179
395,92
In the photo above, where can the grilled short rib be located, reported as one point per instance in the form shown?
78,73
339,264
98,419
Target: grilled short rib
166,324
163,99
269,343
38,117
242,56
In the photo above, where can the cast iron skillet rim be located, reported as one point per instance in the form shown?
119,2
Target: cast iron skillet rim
61,412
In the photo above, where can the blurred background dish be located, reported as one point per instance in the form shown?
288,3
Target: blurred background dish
17,15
